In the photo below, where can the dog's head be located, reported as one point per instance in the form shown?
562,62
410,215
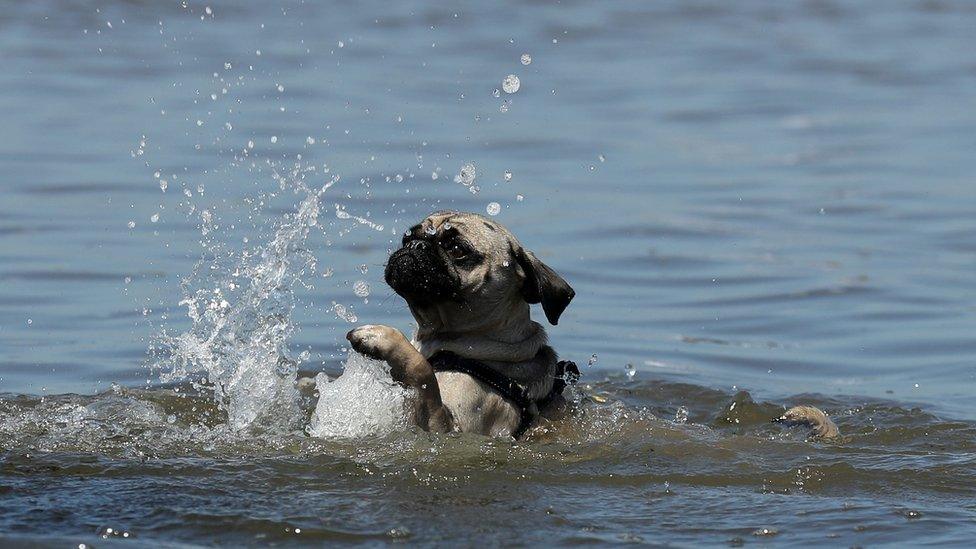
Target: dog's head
463,272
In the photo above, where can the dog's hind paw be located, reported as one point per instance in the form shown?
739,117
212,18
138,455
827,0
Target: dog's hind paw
821,426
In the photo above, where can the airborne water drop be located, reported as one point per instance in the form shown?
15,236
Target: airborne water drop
511,84
361,288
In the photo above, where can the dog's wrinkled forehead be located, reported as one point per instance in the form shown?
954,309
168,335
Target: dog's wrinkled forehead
484,234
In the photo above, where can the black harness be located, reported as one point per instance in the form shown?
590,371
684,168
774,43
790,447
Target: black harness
566,372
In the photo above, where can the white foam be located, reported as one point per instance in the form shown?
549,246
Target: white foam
364,401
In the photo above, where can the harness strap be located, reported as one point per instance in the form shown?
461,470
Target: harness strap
509,389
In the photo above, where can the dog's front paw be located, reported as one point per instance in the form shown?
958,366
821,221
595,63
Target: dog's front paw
376,341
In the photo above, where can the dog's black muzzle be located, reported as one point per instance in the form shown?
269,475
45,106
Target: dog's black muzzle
420,274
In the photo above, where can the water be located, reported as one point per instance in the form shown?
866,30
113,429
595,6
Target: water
759,204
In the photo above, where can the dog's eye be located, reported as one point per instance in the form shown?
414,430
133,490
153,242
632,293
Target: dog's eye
456,250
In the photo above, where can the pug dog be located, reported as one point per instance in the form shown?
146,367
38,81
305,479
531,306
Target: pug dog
478,362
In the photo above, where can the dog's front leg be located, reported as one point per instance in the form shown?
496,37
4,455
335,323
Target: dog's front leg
407,366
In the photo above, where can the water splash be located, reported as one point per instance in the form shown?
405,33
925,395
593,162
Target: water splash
363,401
341,213
240,305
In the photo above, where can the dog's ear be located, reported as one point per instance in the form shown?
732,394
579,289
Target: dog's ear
543,285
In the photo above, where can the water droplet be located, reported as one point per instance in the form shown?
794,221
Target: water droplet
433,176
519,198
199,122
154,218
342,44
274,138
250,144
601,158
163,185
364,268
681,415
30,321
526,59
494,208
280,88
343,313
361,288
467,174
495,93
592,360
630,371
507,175
511,84
503,107
132,224
310,140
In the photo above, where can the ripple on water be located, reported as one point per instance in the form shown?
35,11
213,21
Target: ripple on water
764,195
171,446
